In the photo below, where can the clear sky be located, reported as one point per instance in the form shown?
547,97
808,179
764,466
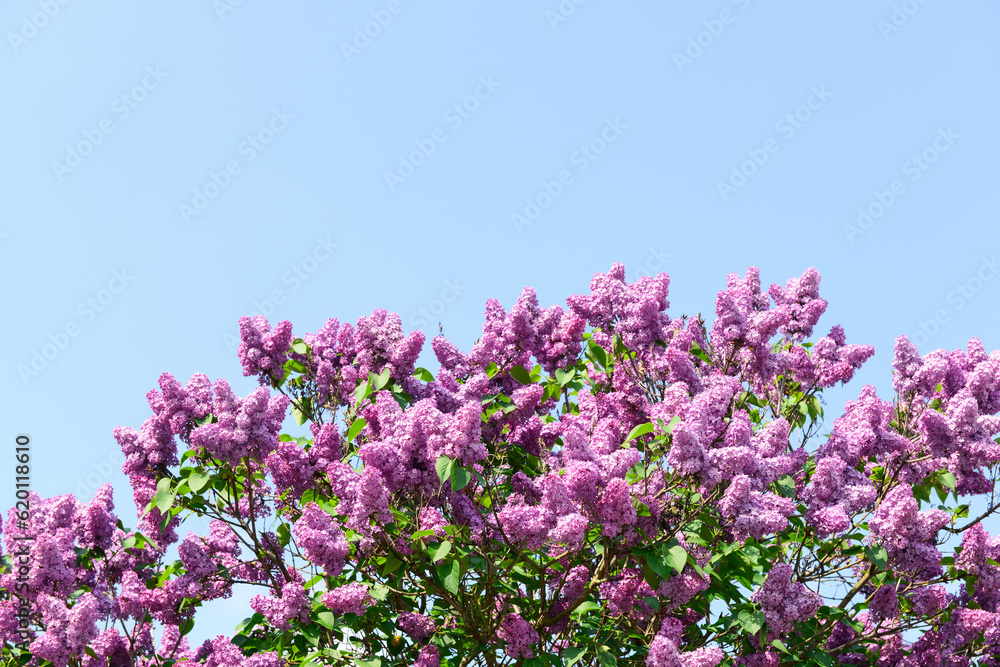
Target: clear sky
169,167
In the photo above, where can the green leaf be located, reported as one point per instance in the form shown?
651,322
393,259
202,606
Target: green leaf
778,644
491,369
605,658
362,391
878,556
441,551
326,619
89,651
451,574
284,534
698,352
822,658
572,655
460,477
382,380
641,429
423,374
676,557
391,565
356,427
444,467
520,374
565,377
751,621
128,542
163,500
659,565
786,486
669,428
599,354
299,346
379,592
377,662
300,417
197,481
948,480
586,606
186,626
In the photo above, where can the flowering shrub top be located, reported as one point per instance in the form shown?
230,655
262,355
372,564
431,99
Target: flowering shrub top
590,485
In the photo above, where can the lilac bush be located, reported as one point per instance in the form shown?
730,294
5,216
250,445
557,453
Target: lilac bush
593,485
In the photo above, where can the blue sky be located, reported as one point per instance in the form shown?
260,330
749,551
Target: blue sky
169,167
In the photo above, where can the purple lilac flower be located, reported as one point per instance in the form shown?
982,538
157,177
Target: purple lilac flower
785,601
883,603
519,635
801,297
634,311
246,427
428,657
349,599
321,539
280,611
262,351
94,524
326,445
616,508
290,469
416,625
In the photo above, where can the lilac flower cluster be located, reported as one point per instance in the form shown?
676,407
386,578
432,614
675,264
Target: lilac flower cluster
416,625
785,601
664,650
519,635
246,427
289,604
263,352
349,599
321,539
958,421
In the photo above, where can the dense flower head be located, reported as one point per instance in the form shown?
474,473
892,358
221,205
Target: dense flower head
831,360
321,539
429,657
94,524
281,610
745,324
801,297
634,311
418,626
67,631
246,427
290,468
519,635
180,406
785,601
264,351
350,599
